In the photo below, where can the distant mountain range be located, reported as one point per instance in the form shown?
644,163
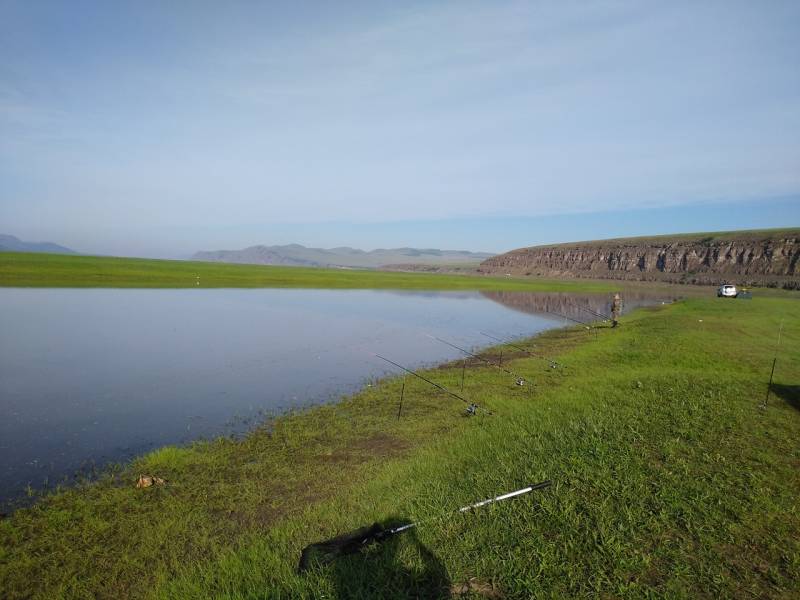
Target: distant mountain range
9,243
300,256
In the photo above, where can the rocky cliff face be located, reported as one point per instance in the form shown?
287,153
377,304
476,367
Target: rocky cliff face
750,258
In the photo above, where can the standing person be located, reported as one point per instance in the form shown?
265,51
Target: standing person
616,309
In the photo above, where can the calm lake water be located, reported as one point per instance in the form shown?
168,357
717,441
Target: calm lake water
92,376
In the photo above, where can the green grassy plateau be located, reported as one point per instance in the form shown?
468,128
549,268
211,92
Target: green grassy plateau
19,269
668,478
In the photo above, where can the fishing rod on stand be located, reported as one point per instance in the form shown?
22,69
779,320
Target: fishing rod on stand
599,315
553,363
588,327
472,407
772,372
518,379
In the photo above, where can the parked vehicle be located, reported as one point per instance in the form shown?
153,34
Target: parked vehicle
727,291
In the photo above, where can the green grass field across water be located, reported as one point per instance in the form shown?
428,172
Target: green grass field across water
56,270
668,480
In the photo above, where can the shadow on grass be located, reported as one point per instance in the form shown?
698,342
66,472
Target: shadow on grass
399,567
789,393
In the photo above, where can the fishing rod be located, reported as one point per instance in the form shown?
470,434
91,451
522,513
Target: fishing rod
519,380
322,553
588,327
553,363
589,310
558,314
774,361
471,406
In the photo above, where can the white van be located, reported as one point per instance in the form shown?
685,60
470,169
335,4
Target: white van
727,291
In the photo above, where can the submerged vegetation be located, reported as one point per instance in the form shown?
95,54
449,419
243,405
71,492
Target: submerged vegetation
668,479
59,270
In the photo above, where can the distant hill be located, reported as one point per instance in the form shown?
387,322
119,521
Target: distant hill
766,257
9,243
301,256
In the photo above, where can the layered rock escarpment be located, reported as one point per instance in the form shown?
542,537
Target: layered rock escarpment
747,258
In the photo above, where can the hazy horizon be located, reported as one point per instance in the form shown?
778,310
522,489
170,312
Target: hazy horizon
777,214
165,130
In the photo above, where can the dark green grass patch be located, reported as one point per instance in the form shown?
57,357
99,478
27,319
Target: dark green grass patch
669,481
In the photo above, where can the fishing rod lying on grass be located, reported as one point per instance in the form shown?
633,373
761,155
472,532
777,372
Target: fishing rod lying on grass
472,407
553,364
518,379
323,553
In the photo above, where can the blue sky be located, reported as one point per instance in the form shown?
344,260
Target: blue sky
156,130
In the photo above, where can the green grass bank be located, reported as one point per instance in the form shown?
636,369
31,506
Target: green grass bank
669,481
18,269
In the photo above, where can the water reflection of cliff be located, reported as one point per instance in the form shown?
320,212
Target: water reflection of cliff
575,306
